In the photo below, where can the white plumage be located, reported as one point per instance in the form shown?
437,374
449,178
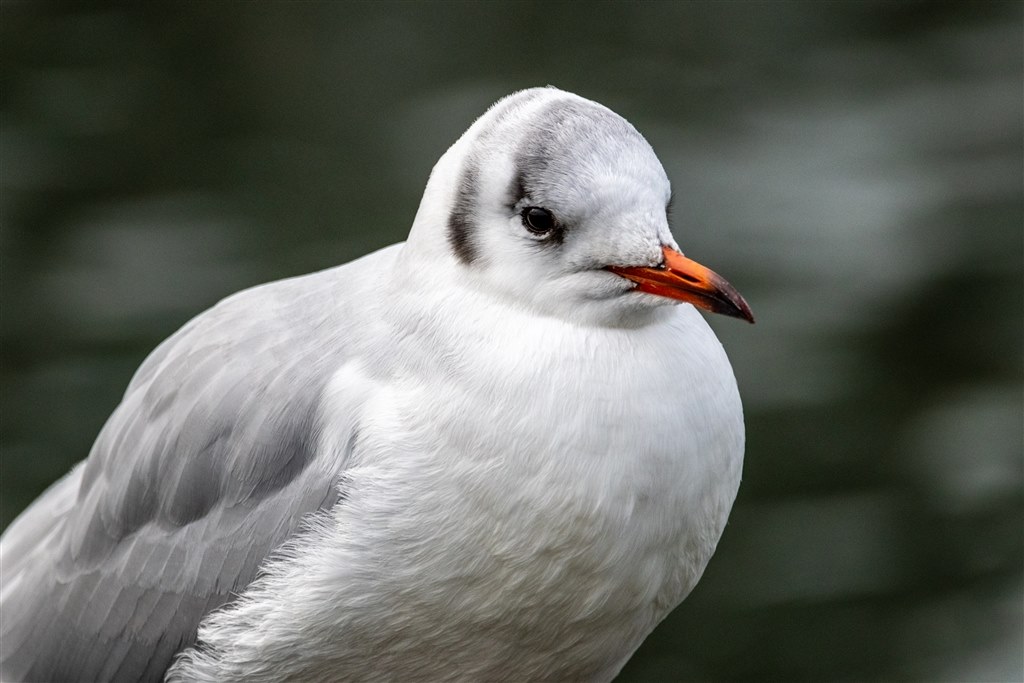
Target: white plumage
508,462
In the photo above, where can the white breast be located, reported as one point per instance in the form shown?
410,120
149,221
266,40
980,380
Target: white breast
527,501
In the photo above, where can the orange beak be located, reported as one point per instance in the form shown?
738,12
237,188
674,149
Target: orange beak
685,280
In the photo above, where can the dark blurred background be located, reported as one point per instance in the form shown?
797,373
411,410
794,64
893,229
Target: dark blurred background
854,168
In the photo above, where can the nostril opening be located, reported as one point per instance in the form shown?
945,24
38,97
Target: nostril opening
689,278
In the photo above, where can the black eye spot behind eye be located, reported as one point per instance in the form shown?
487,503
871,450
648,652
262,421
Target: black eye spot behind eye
538,220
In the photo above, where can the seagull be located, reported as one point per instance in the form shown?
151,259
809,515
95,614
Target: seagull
504,449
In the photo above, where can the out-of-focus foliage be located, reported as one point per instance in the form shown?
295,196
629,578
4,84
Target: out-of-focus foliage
853,167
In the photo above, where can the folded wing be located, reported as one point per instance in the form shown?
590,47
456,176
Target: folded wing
210,462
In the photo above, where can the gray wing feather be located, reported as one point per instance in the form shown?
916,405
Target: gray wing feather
209,463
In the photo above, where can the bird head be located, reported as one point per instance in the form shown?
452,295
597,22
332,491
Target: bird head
555,203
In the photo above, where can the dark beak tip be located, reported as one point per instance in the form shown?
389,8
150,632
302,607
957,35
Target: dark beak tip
733,304
737,311
746,313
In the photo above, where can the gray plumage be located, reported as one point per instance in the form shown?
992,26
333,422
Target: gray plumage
205,467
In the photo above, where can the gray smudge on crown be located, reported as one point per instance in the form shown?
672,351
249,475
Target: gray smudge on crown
563,139
462,219
555,144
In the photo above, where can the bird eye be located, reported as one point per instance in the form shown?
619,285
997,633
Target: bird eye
537,220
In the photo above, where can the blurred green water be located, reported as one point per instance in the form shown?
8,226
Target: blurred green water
854,168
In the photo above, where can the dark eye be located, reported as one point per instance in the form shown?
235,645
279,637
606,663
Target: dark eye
537,220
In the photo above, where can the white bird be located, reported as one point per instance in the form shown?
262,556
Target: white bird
498,451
